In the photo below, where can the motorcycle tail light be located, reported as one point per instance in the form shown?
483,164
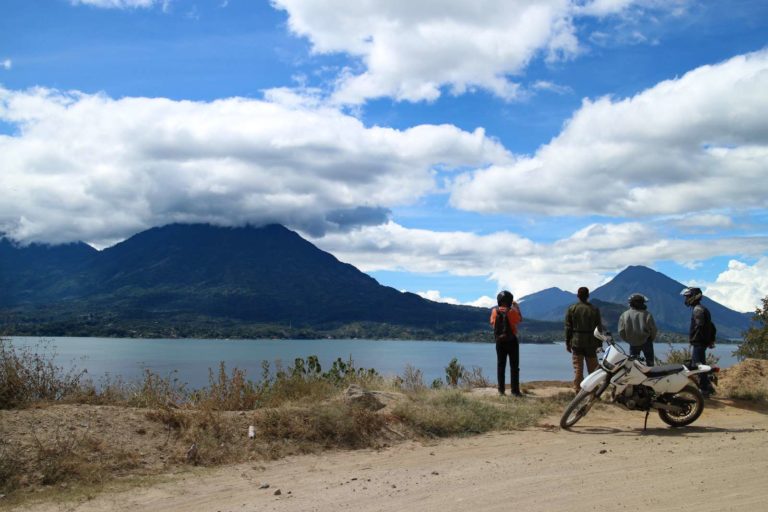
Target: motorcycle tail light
715,369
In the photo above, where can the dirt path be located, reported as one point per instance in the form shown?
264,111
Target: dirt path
607,462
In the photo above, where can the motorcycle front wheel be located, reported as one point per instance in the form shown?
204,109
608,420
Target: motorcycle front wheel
692,403
578,408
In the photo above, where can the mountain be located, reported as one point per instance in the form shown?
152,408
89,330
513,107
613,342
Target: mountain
247,274
549,304
41,273
665,302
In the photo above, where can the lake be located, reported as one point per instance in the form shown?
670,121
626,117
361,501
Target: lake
192,357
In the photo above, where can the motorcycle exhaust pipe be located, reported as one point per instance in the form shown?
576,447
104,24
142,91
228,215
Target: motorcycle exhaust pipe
667,407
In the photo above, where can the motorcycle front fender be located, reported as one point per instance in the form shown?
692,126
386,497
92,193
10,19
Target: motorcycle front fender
594,380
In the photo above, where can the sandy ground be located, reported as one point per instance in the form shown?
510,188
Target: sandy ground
607,462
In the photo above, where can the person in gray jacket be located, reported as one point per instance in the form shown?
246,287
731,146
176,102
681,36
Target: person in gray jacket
637,327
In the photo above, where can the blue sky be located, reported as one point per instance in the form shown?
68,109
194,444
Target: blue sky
448,149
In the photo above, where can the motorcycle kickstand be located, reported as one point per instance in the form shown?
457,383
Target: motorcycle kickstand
645,425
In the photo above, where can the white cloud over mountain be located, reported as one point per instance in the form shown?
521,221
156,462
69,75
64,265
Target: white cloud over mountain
521,265
690,144
411,50
89,167
742,286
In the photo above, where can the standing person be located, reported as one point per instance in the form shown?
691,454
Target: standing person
701,334
504,320
638,328
581,319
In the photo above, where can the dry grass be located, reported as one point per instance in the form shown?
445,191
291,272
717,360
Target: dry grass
441,413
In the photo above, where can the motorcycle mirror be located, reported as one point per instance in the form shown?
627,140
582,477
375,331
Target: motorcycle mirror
603,336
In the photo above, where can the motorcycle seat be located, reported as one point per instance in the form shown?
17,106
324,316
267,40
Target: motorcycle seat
661,371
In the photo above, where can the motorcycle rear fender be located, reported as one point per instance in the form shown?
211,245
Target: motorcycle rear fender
594,380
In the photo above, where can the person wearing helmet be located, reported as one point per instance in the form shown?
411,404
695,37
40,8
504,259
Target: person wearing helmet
504,320
701,334
638,328
581,319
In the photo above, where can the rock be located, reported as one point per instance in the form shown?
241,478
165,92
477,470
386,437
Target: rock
277,492
435,473
360,397
192,453
603,451
264,485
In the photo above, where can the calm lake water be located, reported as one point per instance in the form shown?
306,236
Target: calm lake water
192,357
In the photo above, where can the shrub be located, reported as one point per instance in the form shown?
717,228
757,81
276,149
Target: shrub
412,380
28,375
684,356
454,372
755,344
475,378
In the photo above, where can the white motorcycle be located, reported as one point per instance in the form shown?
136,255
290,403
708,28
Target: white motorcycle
670,389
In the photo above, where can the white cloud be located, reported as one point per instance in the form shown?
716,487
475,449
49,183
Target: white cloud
519,264
705,221
410,50
436,296
742,286
119,4
6,64
93,168
691,144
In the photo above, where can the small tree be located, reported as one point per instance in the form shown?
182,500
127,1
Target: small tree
755,342
454,372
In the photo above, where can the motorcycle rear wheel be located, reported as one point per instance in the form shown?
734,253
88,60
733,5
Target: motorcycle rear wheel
578,408
691,411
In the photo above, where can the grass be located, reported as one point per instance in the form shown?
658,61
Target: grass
300,408
442,413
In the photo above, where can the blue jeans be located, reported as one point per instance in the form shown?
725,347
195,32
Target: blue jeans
699,355
647,349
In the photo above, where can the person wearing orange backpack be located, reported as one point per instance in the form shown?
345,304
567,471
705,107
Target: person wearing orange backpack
504,320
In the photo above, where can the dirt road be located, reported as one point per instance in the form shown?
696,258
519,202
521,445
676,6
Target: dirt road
606,463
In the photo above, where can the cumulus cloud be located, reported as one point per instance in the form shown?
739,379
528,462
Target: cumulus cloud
742,286
6,64
691,144
436,296
411,50
89,167
519,264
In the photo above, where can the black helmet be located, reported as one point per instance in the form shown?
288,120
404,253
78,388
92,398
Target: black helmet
504,298
692,296
637,299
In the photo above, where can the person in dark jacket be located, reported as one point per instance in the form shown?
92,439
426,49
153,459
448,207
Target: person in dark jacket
700,334
581,319
507,344
638,328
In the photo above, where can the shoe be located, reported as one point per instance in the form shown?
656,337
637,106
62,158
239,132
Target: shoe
501,393
517,394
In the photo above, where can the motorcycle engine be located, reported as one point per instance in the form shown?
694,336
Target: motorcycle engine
636,398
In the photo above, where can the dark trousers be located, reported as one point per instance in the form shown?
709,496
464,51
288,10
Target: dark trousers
699,355
511,350
647,350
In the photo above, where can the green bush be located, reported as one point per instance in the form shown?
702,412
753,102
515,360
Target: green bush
755,344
